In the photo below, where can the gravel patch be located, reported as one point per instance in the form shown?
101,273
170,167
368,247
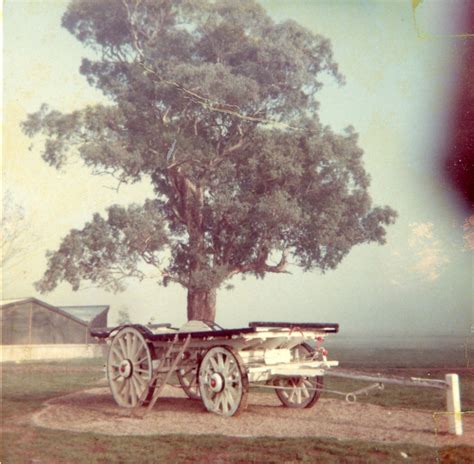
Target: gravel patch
95,411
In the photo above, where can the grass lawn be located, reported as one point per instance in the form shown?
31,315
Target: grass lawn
409,397
26,386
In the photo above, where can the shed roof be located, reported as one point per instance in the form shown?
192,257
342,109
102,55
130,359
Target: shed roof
85,313
82,314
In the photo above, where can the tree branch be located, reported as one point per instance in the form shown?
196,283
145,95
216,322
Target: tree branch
239,144
262,267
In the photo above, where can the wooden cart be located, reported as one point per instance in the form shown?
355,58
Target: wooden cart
217,365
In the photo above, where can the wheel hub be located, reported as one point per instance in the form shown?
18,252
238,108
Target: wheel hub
126,368
216,382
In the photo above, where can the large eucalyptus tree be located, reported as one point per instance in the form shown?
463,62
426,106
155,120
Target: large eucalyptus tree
216,105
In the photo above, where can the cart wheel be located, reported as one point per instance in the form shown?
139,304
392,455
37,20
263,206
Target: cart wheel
129,368
299,392
188,380
223,382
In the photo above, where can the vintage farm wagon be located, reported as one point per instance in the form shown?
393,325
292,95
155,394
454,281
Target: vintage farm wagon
218,366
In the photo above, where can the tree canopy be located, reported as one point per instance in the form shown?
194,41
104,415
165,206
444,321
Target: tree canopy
216,105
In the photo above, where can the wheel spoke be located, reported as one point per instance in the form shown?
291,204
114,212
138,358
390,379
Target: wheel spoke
220,361
187,377
140,361
122,347
142,380
299,398
137,353
138,389
125,391
135,346
219,398
129,342
120,385
185,372
231,395
141,371
117,353
285,393
214,364
192,382
233,368
291,398
132,391
304,390
225,402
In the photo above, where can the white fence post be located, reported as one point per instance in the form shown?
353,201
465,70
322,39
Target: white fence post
453,400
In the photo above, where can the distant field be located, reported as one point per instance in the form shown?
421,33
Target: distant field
26,386
396,352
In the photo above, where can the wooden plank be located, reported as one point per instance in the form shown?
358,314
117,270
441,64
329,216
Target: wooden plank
328,327
173,366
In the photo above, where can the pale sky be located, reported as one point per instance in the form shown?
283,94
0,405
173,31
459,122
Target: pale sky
397,97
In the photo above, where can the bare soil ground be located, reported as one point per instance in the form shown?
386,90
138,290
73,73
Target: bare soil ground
95,411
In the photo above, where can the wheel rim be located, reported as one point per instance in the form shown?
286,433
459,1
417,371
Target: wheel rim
129,368
223,382
299,392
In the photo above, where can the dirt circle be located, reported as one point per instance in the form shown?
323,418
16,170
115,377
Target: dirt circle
95,411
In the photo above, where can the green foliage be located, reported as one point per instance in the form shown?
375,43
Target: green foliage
216,105
107,251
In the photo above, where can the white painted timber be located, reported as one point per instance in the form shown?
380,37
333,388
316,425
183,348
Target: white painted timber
453,400
266,356
18,353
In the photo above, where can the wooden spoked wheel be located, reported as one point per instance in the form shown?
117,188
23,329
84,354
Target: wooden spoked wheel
188,379
299,392
223,382
129,368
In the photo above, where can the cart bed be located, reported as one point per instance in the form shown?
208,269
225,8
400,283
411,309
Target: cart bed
225,333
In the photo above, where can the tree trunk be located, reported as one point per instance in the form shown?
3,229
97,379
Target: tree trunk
202,305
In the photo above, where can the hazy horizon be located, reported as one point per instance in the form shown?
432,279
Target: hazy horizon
397,96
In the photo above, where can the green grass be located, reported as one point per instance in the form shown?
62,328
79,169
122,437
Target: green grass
408,397
26,386
60,447
462,356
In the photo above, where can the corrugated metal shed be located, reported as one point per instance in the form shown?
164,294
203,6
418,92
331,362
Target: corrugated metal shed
32,321
85,313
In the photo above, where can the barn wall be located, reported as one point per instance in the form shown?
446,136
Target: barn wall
100,321
50,327
16,324
32,323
